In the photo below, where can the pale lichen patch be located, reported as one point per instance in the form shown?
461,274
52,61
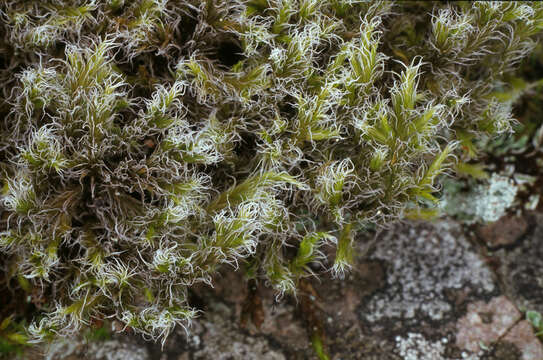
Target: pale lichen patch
425,261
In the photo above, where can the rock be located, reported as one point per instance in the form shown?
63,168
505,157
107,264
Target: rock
504,232
504,351
284,325
522,269
485,323
424,262
422,292
78,349
523,337
223,342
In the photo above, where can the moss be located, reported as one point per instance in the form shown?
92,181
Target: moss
146,144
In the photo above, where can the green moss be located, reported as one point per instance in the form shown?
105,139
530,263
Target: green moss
152,142
12,339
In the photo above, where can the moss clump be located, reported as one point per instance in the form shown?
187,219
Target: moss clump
145,144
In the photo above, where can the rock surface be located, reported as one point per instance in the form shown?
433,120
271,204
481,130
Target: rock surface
423,291
521,268
504,232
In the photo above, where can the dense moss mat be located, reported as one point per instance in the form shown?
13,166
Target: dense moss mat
144,144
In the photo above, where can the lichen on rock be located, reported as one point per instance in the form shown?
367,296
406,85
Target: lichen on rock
423,261
485,202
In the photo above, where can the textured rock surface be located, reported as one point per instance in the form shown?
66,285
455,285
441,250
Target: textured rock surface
424,263
504,232
522,268
486,323
423,291
522,336
107,350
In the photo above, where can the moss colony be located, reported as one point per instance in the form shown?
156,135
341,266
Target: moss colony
146,143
